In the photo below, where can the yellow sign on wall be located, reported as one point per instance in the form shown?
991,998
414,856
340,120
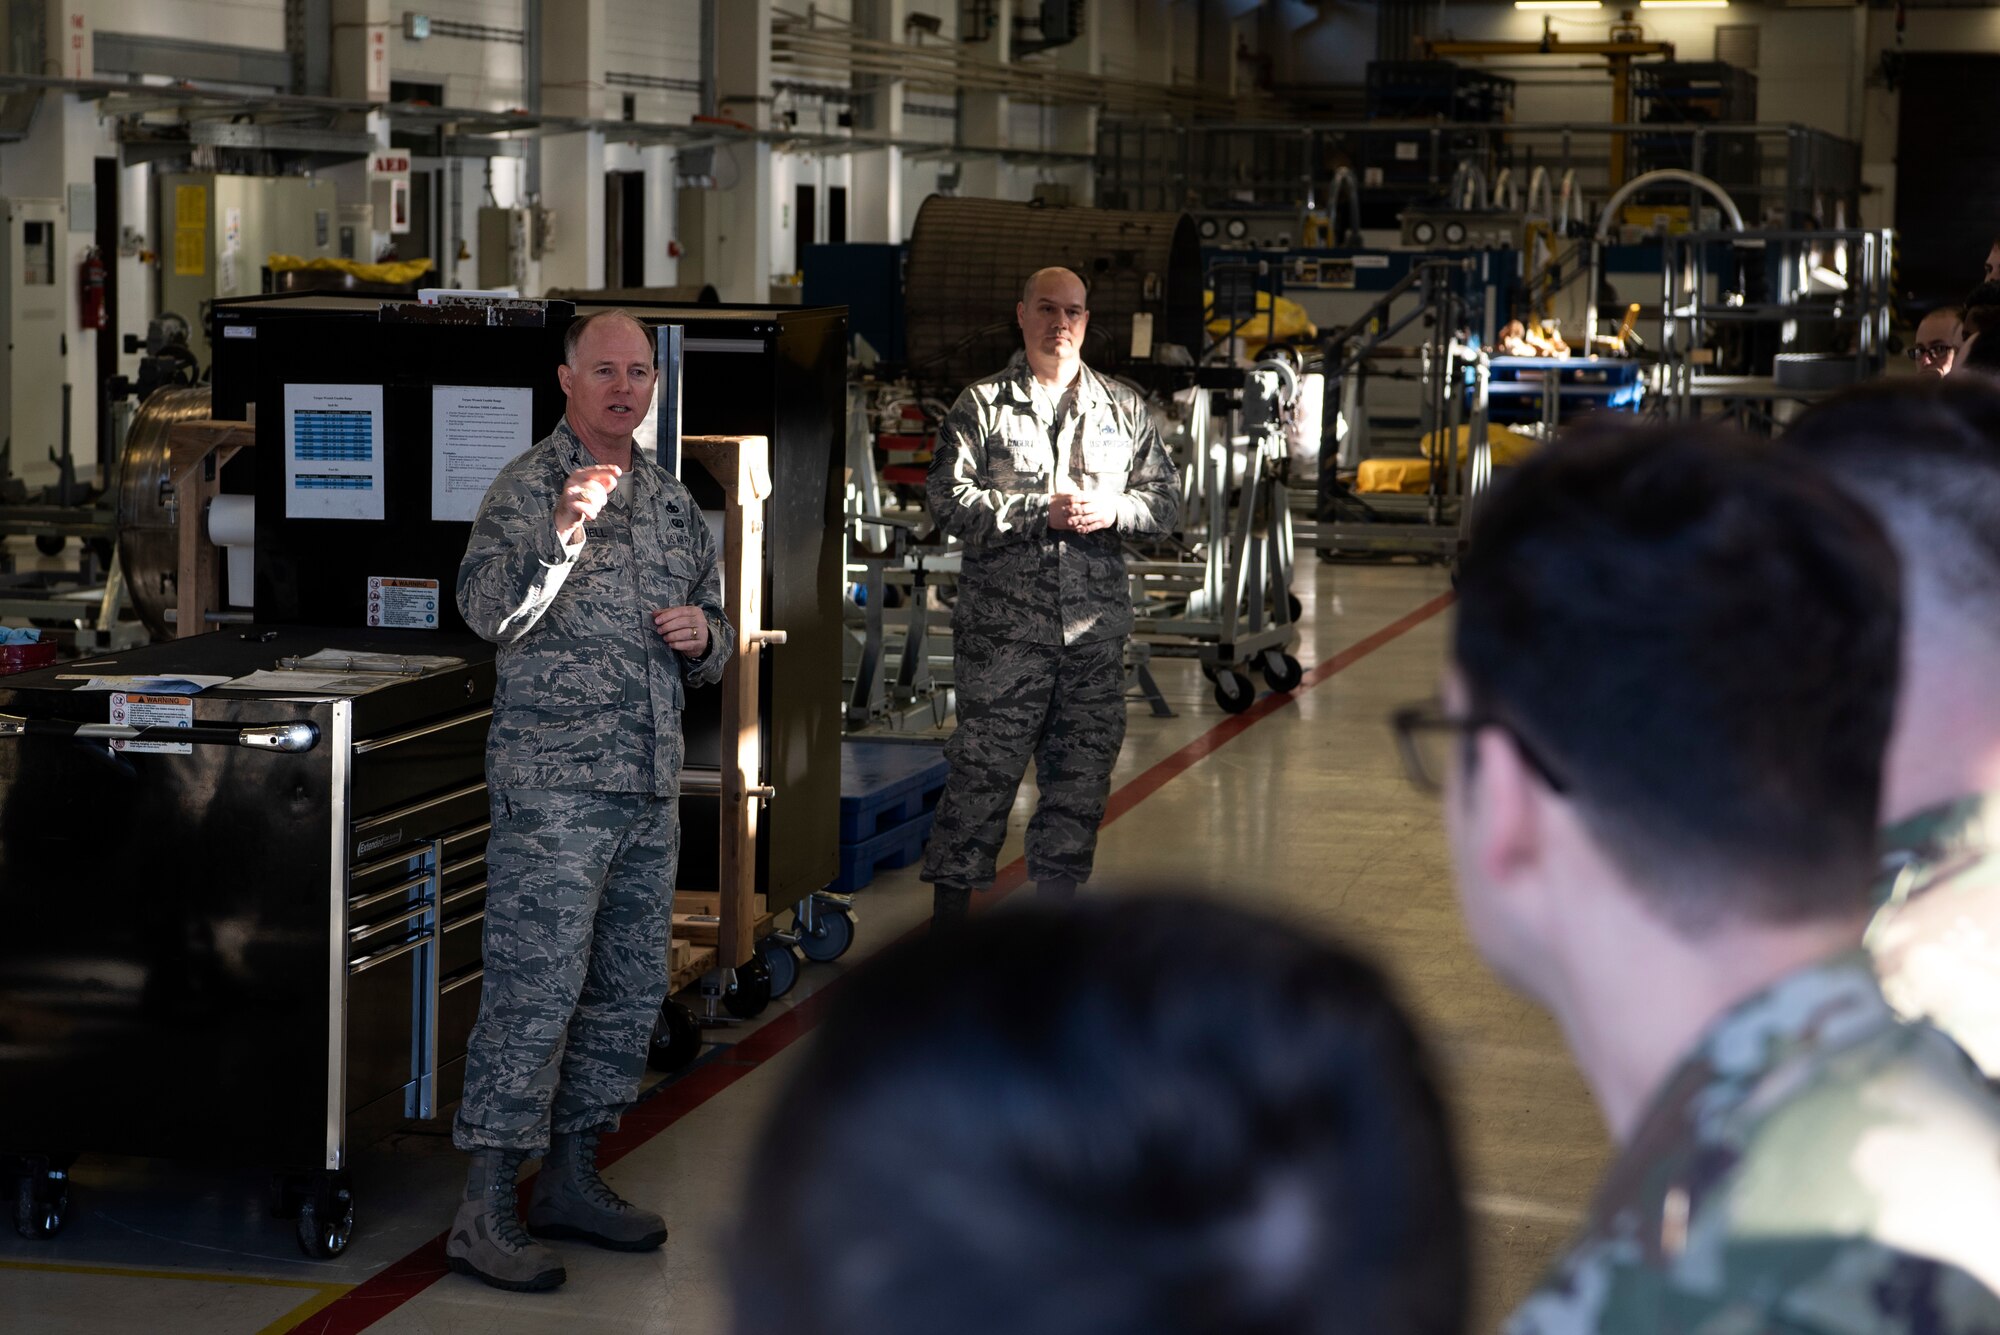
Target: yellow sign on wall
190,230
190,251
190,206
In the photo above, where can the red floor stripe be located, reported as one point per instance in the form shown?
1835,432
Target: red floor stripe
387,1290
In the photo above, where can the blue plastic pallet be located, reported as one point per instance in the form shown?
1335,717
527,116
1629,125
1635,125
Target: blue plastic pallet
884,785
898,846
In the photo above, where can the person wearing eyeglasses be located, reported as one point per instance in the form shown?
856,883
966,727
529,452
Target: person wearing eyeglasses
1660,748
1939,340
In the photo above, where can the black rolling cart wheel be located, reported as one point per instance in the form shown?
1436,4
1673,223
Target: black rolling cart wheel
676,1039
832,932
1294,606
41,1201
1281,671
781,959
751,992
326,1216
1233,691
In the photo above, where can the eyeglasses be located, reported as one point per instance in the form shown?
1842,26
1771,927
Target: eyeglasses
1426,732
1930,352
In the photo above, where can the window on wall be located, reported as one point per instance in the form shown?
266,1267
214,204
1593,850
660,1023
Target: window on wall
805,224
428,94
624,229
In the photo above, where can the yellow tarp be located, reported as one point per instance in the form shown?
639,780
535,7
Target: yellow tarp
1413,476
1291,322
393,272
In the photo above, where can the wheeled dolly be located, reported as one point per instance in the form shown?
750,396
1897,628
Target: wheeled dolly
321,1206
41,1193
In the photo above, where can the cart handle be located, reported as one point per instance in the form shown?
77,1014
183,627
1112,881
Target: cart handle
290,738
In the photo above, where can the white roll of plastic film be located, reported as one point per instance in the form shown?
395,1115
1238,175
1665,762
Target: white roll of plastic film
232,526
232,521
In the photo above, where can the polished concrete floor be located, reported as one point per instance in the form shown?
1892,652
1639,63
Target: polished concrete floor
1297,808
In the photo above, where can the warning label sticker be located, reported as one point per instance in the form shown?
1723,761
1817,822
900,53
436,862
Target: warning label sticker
152,711
403,604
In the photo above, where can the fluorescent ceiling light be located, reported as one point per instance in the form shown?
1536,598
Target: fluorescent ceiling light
1558,4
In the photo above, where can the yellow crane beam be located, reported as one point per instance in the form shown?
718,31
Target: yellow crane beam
1618,55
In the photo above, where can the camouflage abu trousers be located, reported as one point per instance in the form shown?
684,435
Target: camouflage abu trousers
1064,705
579,905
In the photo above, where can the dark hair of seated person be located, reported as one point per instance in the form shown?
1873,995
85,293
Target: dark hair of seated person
1135,1117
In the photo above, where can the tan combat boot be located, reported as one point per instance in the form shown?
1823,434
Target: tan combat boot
487,1240
571,1201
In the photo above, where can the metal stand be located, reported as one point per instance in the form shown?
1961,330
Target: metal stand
1453,375
1235,608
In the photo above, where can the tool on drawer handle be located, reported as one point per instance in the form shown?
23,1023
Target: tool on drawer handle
291,738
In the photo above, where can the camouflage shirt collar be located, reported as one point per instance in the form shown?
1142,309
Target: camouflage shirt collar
575,456
1943,835
1808,1013
1089,387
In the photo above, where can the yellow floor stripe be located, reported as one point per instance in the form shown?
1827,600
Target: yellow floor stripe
310,1307
124,1272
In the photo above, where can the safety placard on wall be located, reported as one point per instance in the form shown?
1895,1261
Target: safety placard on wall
152,711
403,604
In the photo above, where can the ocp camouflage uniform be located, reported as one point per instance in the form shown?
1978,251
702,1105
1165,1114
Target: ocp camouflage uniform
1039,631
1936,939
1816,1165
584,759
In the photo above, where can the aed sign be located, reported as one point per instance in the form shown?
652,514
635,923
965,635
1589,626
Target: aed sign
389,164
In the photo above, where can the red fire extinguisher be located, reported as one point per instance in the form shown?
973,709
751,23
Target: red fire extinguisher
90,303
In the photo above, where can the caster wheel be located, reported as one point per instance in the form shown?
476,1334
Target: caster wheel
1293,604
832,934
783,962
326,1218
50,544
1281,671
41,1204
676,1039
752,992
1233,692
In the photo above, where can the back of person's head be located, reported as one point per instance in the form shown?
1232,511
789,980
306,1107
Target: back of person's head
1976,320
1696,635
1924,455
1982,353
1985,295
1141,1117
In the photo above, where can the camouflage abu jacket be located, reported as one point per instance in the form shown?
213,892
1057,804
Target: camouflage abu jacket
589,695
1936,939
998,460
1816,1165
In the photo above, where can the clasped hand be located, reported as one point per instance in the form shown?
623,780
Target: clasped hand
1082,511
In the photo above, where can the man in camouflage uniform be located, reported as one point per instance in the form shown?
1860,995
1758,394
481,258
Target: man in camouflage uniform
593,571
1673,675
1925,457
1041,472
